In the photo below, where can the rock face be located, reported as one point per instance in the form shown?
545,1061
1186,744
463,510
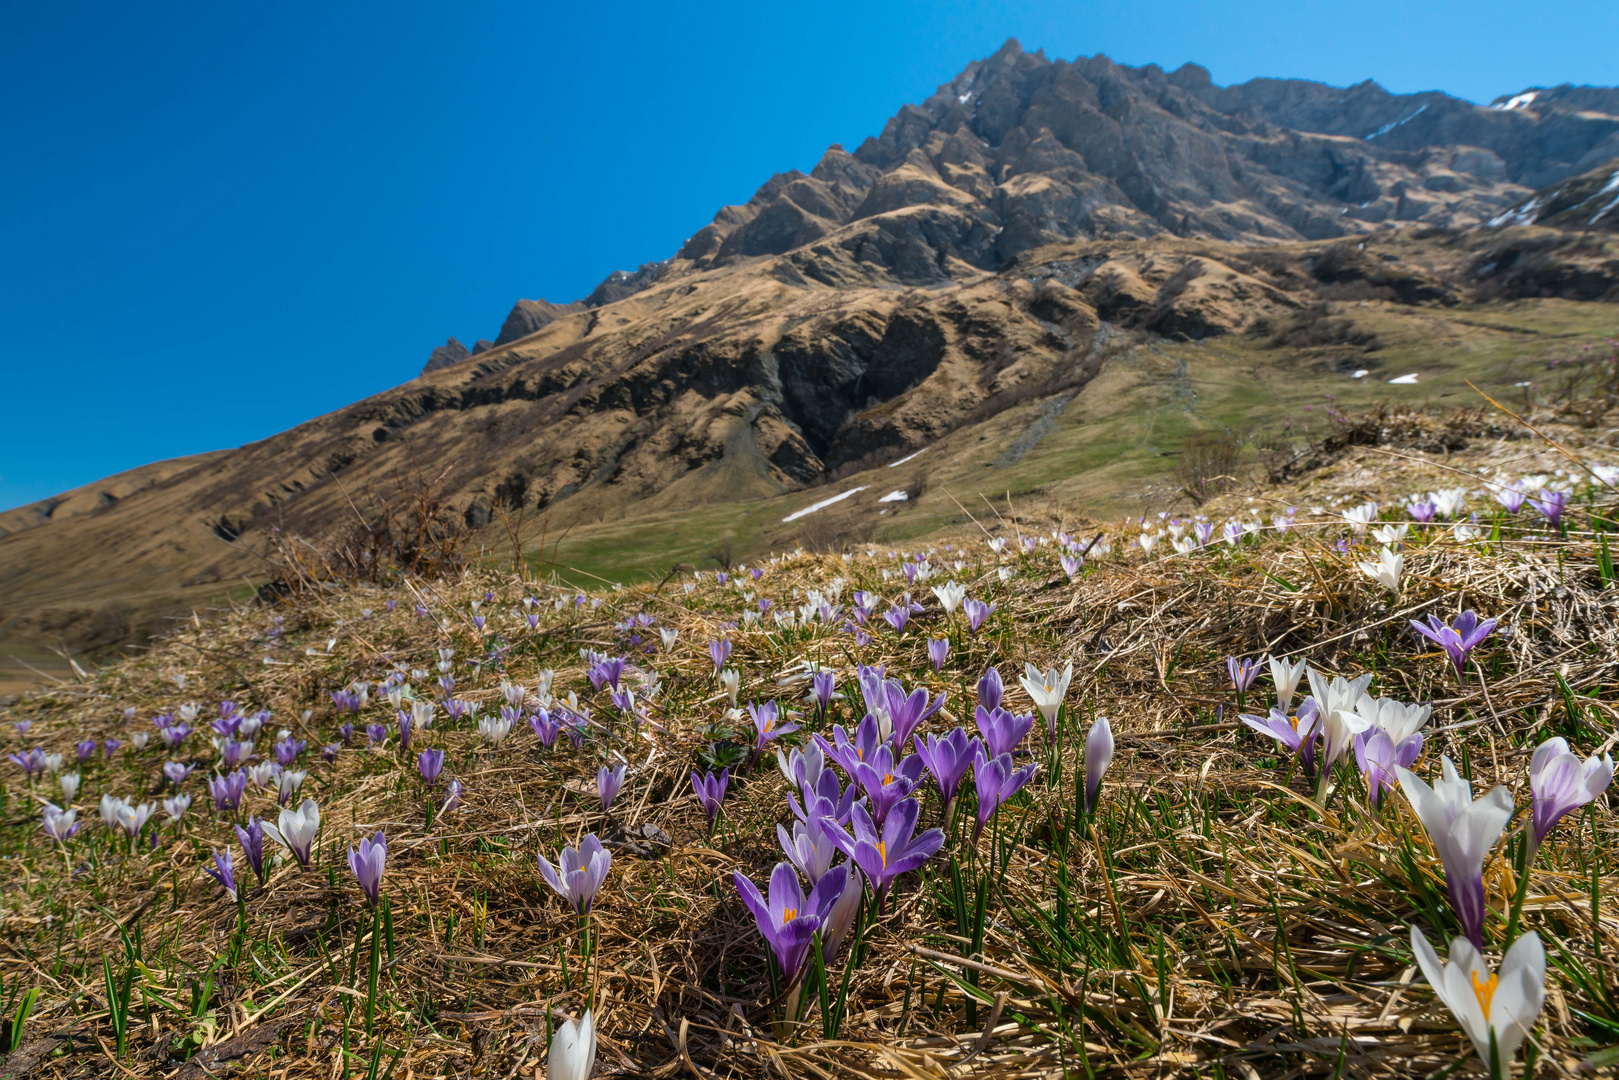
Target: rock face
1587,201
451,352
528,316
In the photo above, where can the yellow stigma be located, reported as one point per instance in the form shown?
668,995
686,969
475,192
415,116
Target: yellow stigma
889,779
789,915
1485,992
1294,720
882,852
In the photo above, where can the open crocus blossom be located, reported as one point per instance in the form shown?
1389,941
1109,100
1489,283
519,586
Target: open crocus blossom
573,1050
367,863
59,824
1048,691
948,760
886,852
950,596
1463,831
767,725
1386,570
583,869
1561,784
295,830
885,780
1001,730
1098,756
719,651
1293,732
1458,639
808,846
1242,673
788,919
608,782
898,713
1502,1007
1336,699
996,781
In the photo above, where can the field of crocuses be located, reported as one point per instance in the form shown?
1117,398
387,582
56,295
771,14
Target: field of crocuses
1294,790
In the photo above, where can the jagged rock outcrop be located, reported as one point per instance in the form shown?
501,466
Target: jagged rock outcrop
529,316
451,352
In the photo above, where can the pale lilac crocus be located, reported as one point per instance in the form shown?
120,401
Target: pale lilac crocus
938,652
1242,673
59,824
223,871
1376,758
430,763
176,806
295,830
719,651
808,845
581,873
452,797
1463,831
1459,639
1550,503
823,686
897,617
977,613
885,852
175,772
608,783
1000,729
1561,783
252,840
227,790
1297,733
367,864
1098,756
710,792
991,690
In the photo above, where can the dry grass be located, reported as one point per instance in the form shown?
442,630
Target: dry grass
1232,930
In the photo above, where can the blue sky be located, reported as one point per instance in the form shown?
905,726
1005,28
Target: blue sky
219,220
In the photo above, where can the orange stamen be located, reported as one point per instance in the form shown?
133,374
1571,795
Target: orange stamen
1485,992
789,915
882,852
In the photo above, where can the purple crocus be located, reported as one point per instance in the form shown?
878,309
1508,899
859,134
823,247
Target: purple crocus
1422,511
546,728
898,713
252,838
1463,831
886,780
22,727
846,751
406,722
227,790
1000,729
991,690
368,863
223,872
110,747
31,762
788,920
719,651
897,617
766,725
823,685
233,752
710,791
1459,639
328,753
938,652
175,772
346,734
884,853
583,869
287,751
85,749
607,672
1551,504
430,763
977,613
948,760
1299,733
997,781
1242,673
1376,759
608,782
827,789
452,797
1562,783
376,734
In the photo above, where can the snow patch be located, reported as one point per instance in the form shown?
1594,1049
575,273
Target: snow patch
908,457
894,496
1520,101
823,504
1361,374
1405,380
1386,128
1518,215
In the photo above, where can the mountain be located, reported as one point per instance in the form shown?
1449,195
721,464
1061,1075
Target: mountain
985,261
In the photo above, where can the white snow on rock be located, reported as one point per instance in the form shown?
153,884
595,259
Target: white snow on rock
1390,126
1405,380
908,457
894,496
823,504
1521,101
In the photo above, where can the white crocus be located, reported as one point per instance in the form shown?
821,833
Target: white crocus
950,596
573,1050
110,807
1361,516
1505,1004
1386,570
1399,720
493,729
1048,689
1286,676
70,787
1340,723
1391,534
997,544
1463,831
730,680
668,635
296,829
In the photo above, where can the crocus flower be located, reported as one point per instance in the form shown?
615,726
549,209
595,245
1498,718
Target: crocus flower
1386,570
1463,832
1048,691
70,786
223,872
176,806
991,689
1458,639
1098,756
802,767
766,725
452,797
368,863
848,752
719,651
32,763
1403,724
295,830
328,753
884,853
227,790
85,750
710,791
897,617
573,1050
287,751
996,781
406,722
291,780
1376,758
823,687
950,596
809,846
839,803
110,747
1286,676
1503,1006
948,760
1242,673
59,824
132,818
1298,732
583,869
938,651
1551,504
886,780
346,734
175,772
1510,497
608,781
898,714
977,613
1340,723
1562,783
788,919
252,839
430,763
1000,729
730,680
